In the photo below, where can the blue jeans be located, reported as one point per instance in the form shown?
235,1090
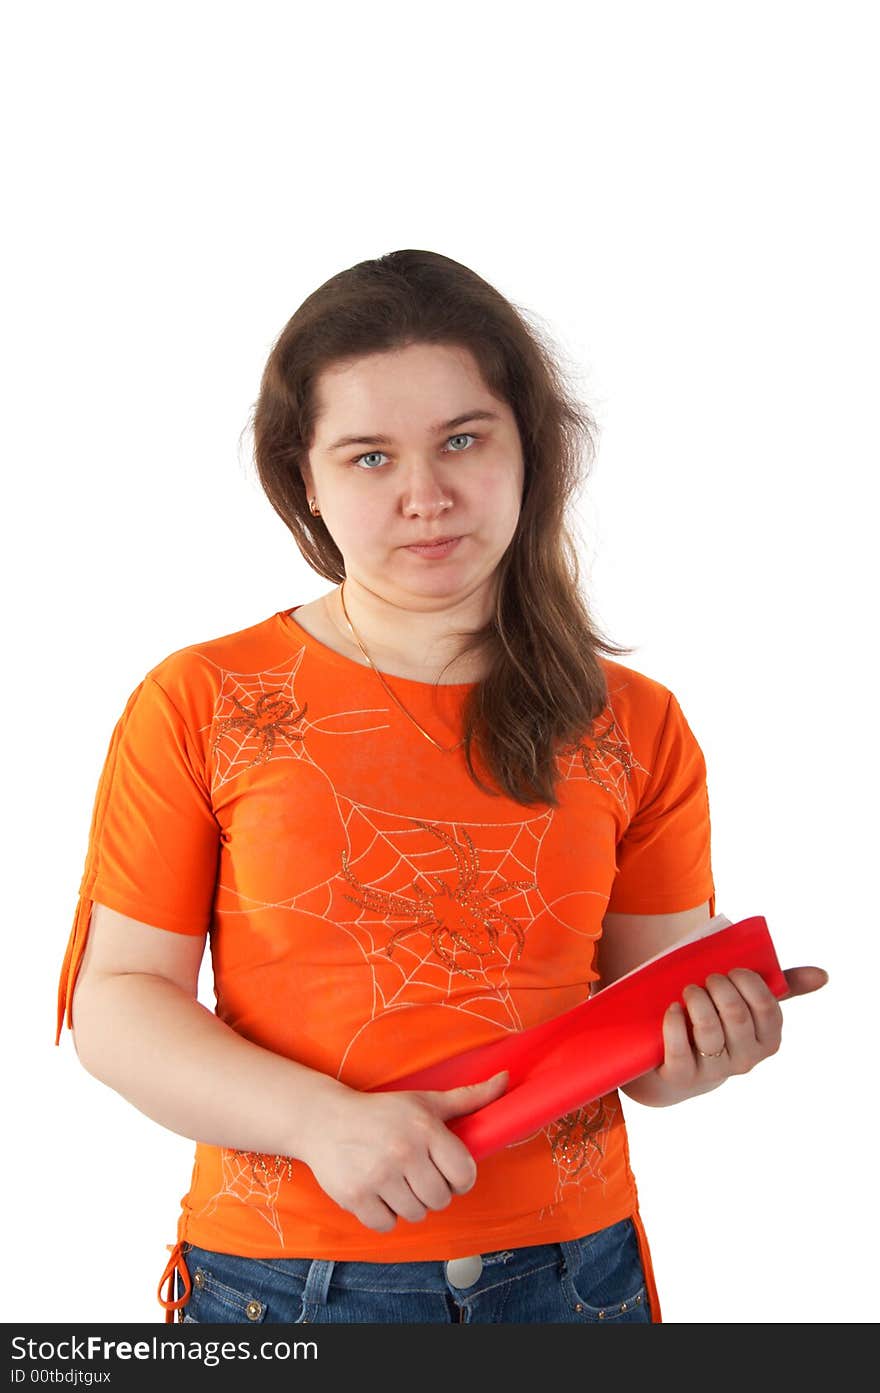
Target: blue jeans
595,1278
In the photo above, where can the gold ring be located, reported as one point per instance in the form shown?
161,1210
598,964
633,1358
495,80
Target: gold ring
707,1054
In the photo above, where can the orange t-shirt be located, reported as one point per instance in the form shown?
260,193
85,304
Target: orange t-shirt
371,911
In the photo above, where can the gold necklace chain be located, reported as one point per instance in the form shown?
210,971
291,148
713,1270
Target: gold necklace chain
447,749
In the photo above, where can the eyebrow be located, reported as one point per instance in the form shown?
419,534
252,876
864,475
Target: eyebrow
345,440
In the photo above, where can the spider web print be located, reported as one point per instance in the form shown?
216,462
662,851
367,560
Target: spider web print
577,1143
461,914
605,756
437,918
246,1178
257,718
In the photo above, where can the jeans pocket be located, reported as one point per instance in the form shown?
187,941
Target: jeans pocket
224,1290
603,1278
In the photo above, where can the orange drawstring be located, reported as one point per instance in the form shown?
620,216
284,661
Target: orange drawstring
76,942
76,946
175,1264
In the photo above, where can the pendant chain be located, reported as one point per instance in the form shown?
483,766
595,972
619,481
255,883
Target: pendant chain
447,749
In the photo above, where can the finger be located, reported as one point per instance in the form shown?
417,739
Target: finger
803,979
737,1022
429,1186
401,1200
373,1214
765,1009
708,1031
453,1161
679,1064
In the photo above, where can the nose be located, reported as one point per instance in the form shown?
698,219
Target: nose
423,492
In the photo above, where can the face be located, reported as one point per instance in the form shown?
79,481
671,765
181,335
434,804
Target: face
441,469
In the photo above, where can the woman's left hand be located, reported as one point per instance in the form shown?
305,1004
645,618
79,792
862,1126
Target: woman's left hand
729,1026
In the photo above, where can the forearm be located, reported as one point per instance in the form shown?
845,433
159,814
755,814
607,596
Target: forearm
182,1066
652,1091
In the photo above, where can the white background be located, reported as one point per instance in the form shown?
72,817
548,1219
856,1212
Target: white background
684,194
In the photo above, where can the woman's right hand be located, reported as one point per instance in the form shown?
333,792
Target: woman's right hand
385,1156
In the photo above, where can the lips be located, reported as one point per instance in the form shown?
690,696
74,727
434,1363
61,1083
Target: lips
436,549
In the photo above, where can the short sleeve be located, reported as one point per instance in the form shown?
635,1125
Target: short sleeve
154,840
664,858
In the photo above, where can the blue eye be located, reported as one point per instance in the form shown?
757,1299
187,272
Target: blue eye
464,435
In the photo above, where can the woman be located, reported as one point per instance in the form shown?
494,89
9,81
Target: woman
413,814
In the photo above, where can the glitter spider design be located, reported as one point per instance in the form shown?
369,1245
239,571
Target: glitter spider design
578,1134
609,744
272,715
461,913
260,1161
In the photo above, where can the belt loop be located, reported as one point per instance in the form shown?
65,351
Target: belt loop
571,1255
318,1280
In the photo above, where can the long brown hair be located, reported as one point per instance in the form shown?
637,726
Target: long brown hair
545,684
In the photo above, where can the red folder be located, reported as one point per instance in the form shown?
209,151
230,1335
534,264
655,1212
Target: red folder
605,1042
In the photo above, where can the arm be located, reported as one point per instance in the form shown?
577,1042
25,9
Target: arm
139,1028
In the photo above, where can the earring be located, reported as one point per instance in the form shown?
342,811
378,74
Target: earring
316,511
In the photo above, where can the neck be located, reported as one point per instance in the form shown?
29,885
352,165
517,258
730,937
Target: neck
424,640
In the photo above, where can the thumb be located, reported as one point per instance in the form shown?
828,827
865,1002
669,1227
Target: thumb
803,979
452,1102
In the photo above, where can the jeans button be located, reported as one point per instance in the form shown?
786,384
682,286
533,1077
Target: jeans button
254,1309
463,1272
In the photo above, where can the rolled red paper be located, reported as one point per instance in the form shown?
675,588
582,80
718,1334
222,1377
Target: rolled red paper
605,1042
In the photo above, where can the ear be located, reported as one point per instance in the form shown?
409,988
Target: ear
306,472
